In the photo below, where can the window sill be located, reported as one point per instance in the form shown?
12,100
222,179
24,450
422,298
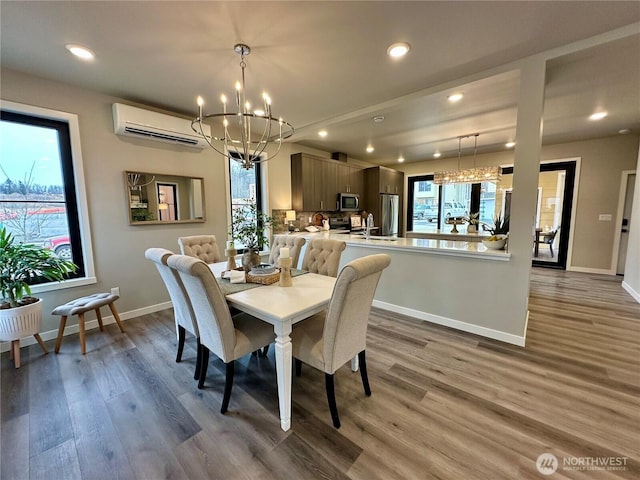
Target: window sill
75,282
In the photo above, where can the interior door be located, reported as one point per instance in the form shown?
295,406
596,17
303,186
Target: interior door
626,216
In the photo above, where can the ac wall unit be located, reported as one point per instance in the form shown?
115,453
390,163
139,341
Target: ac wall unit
136,122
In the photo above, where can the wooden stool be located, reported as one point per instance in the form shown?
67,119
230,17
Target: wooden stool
79,307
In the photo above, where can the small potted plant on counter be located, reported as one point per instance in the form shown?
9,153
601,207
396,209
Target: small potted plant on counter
473,222
499,233
21,263
247,229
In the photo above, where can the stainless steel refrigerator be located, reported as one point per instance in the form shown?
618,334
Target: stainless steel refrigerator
389,214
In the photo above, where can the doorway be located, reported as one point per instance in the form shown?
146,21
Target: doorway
626,193
167,201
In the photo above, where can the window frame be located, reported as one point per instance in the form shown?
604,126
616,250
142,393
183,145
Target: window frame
79,220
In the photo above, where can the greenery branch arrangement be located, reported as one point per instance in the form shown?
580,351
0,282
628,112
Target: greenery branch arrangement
21,263
500,225
248,226
473,218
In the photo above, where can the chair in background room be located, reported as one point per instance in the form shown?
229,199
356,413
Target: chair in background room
203,247
182,310
294,243
331,338
323,256
228,339
549,238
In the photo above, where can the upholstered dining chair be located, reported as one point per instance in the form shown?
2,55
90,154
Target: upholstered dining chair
182,310
228,339
331,338
203,247
295,244
323,256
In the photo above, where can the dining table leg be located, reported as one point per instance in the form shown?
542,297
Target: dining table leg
283,372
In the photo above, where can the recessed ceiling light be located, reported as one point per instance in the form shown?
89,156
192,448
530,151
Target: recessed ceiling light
455,97
398,49
322,133
400,159
510,144
378,119
437,155
81,52
370,149
624,131
260,113
597,116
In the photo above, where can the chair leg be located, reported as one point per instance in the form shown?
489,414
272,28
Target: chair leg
363,373
228,385
99,317
181,335
331,397
298,367
63,322
204,364
83,345
551,248
114,312
196,376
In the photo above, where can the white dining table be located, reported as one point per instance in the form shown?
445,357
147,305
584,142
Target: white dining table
282,307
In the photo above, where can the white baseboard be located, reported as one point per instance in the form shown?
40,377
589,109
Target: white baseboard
458,325
91,324
631,291
598,271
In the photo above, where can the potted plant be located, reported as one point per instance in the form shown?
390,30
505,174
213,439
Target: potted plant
499,232
247,228
20,263
473,221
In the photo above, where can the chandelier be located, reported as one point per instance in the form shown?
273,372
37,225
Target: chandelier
468,175
243,135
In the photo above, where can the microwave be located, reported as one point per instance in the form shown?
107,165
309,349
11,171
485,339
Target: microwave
348,202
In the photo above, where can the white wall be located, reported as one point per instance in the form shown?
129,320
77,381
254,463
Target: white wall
631,281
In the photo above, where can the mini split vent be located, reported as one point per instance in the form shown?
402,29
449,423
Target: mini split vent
136,122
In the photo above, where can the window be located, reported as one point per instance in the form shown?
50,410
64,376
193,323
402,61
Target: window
245,186
433,205
39,197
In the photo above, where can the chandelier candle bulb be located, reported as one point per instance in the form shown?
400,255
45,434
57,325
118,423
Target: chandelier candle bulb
284,252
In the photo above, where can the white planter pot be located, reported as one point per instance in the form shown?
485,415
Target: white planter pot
20,322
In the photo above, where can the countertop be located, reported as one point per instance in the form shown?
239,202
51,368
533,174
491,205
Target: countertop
417,245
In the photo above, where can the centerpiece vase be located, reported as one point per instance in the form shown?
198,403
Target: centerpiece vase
250,259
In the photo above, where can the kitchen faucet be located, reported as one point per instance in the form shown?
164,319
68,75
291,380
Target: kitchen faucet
369,226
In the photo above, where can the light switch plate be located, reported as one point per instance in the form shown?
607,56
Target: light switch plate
605,217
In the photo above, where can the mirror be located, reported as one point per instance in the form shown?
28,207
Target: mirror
158,198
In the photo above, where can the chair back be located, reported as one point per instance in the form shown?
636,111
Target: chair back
203,247
182,311
345,326
323,256
295,244
548,239
216,328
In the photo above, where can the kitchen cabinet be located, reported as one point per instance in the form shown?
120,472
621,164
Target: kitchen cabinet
379,180
316,182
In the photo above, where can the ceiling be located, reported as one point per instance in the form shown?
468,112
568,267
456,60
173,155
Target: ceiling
325,65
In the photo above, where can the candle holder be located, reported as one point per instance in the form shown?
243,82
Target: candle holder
285,272
231,258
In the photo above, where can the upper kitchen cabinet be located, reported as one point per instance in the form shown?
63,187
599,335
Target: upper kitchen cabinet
316,182
384,180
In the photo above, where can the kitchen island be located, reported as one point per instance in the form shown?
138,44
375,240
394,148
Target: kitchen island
458,284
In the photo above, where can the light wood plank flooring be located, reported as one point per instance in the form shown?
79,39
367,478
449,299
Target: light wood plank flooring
445,404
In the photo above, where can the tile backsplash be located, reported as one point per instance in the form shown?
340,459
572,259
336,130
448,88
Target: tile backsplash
302,219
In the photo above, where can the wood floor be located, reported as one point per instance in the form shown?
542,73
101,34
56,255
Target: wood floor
445,404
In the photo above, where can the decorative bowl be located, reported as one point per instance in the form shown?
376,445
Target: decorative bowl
495,244
263,269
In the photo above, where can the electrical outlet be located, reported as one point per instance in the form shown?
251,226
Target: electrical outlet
115,291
